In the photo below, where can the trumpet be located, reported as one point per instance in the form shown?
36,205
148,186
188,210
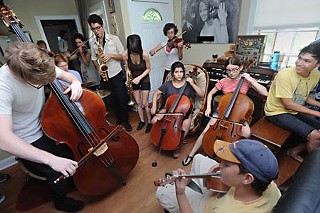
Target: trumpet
129,87
102,64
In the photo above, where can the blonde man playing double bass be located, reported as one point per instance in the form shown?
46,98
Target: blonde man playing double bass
27,69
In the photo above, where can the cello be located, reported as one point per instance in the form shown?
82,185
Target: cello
105,154
167,133
234,109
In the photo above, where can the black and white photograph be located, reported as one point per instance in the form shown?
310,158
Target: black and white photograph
214,21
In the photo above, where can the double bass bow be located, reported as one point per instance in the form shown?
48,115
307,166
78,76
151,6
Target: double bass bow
107,154
234,109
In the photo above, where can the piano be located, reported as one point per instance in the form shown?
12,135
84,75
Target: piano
216,72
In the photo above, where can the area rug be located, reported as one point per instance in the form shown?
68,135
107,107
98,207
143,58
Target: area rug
34,193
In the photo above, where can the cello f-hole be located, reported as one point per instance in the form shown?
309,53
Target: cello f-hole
114,138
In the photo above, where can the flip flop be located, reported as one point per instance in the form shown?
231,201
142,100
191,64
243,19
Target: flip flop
295,156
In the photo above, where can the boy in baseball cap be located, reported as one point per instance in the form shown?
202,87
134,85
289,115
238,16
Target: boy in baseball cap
247,166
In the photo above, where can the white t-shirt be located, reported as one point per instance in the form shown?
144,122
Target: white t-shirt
172,56
15,96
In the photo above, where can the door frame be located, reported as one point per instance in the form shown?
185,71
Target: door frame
38,20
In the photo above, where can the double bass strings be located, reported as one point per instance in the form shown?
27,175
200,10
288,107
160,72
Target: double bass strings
82,124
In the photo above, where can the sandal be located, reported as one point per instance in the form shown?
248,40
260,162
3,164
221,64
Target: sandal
187,160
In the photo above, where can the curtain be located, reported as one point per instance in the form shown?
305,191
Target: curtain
83,11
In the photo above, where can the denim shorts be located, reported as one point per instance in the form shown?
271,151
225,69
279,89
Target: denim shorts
300,124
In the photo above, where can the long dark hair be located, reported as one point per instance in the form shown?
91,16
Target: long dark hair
134,45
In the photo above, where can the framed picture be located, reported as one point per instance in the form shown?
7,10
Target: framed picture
111,6
202,23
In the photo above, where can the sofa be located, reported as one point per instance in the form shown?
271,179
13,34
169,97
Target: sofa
303,194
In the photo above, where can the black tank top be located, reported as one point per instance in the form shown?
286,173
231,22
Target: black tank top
138,69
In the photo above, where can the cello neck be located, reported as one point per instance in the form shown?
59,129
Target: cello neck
176,101
164,181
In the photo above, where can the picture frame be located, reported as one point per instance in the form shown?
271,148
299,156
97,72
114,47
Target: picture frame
111,6
201,22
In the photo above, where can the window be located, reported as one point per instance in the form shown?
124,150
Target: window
151,15
288,42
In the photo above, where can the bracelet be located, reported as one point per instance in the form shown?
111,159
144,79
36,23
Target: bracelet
222,25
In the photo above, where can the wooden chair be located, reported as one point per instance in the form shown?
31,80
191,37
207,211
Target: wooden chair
201,79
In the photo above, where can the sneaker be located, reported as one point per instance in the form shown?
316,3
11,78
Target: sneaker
4,177
127,126
68,204
148,128
2,198
140,125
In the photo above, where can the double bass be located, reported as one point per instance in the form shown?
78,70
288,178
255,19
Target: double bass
234,109
167,133
106,154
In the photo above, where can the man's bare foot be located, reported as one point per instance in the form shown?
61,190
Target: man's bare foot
295,156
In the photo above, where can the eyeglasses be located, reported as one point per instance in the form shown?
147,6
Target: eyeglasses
35,86
96,28
232,70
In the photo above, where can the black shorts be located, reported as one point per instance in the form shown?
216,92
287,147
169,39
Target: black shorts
301,124
142,86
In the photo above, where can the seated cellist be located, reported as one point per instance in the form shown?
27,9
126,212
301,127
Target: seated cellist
233,68
173,87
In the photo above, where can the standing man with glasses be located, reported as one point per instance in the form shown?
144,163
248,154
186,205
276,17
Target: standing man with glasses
22,98
289,92
112,56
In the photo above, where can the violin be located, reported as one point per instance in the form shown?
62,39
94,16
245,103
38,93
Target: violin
210,180
234,110
173,43
105,154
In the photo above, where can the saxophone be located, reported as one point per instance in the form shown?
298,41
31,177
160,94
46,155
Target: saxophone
129,87
102,64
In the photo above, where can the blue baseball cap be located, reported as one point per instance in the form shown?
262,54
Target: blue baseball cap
253,155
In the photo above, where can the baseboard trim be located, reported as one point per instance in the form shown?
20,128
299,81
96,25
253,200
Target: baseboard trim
7,162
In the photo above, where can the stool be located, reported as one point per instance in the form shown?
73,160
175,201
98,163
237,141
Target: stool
28,172
270,134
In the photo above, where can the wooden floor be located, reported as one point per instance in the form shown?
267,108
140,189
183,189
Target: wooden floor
138,195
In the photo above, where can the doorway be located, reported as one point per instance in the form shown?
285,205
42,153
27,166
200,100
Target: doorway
50,26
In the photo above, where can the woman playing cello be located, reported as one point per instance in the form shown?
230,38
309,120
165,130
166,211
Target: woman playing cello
173,87
233,68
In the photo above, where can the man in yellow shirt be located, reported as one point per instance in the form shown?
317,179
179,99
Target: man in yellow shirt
288,95
247,166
